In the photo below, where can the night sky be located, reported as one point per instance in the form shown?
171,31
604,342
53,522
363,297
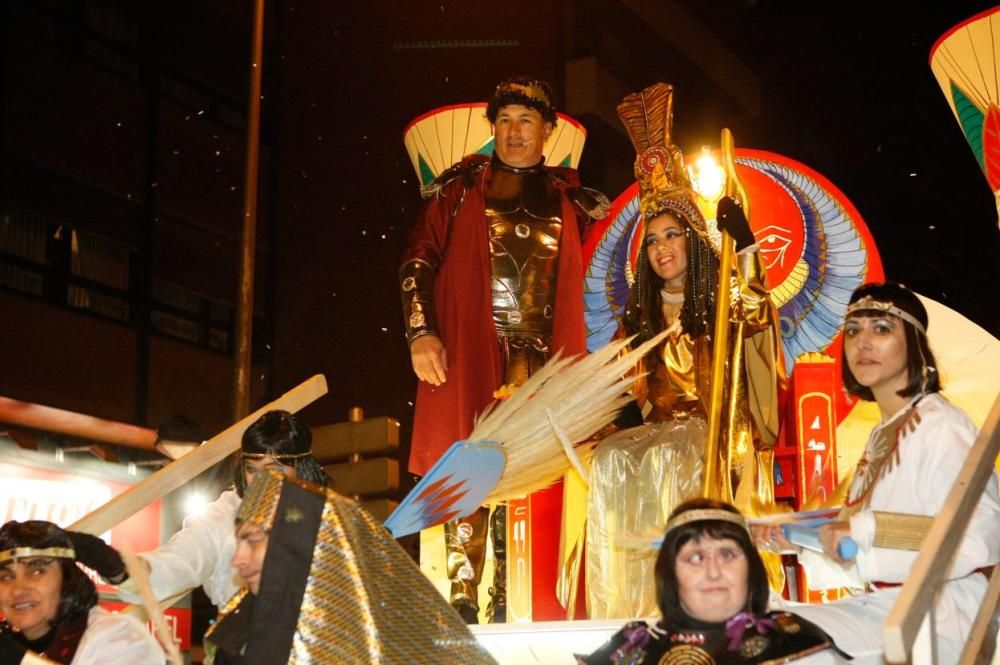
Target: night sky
850,93
845,89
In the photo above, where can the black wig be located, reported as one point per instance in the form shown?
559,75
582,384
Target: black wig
279,433
644,315
666,562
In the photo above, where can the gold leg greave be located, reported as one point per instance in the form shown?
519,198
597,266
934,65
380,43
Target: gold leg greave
496,611
465,544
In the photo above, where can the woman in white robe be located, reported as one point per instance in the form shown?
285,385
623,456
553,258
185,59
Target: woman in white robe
908,468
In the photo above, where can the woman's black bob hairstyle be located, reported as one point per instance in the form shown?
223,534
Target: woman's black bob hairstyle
666,563
78,593
280,433
920,363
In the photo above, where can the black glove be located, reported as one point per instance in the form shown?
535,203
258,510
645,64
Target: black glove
94,553
11,653
731,219
629,416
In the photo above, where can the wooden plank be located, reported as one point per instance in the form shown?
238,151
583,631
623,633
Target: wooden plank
934,561
372,476
137,571
980,646
187,467
60,421
369,437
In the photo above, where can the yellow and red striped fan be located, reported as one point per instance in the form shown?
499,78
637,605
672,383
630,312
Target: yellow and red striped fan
440,138
966,63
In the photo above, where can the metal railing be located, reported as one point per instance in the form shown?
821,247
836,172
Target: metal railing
908,632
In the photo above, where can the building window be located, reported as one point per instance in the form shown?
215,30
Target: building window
22,252
178,312
100,276
43,258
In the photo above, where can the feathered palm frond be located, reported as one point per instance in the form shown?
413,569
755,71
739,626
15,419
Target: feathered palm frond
582,396
647,116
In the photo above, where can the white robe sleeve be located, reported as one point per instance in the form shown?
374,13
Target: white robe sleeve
197,555
117,639
929,462
825,573
931,459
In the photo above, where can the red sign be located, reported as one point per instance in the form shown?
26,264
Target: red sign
178,622
533,531
817,461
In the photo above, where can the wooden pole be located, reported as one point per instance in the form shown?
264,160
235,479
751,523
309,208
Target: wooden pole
244,308
50,419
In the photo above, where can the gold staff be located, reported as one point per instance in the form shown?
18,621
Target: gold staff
712,486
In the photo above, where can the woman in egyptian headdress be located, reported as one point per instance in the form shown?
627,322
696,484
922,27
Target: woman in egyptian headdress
49,604
712,592
909,465
640,474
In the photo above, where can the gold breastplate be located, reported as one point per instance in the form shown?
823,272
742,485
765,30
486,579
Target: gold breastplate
524,215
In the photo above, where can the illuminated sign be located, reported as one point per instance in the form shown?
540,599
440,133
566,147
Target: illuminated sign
30,493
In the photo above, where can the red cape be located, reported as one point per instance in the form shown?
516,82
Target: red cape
445,414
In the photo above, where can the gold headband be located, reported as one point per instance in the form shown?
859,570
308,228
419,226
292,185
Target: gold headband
27,552
869,303
532,91
277,456
704,514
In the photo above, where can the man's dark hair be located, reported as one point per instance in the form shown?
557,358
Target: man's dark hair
666,563
920,363
280,433
525,91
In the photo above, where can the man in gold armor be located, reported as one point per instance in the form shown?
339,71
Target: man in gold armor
491,284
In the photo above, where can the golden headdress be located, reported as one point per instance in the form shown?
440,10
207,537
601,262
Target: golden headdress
336,588
664,186
705,515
